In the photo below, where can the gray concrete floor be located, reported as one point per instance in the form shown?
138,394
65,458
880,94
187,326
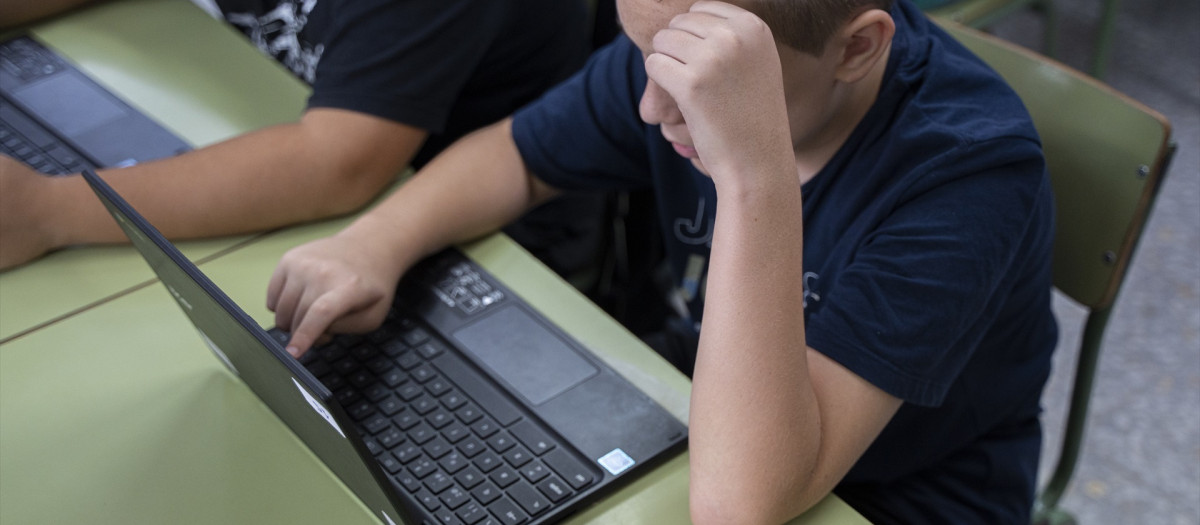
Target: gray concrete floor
1141,456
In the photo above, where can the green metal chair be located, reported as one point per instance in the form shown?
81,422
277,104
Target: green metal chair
1107,155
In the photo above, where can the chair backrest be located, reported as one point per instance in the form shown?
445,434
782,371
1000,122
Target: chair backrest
1106,155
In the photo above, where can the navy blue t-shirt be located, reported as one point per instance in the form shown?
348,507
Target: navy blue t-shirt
927,244
445,66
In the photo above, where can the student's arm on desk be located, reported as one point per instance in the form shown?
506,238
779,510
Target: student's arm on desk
345,283
329,163
17,12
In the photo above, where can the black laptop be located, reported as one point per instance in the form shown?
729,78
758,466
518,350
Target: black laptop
467,406
58,120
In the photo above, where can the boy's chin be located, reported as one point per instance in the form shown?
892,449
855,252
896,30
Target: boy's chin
700,167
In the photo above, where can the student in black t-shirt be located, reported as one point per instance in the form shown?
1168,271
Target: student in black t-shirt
393,83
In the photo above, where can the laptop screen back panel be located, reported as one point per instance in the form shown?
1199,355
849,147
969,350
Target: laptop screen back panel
284,385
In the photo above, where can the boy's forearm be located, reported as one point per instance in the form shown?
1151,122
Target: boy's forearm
475,187
268,178
17,12
751,390
775,425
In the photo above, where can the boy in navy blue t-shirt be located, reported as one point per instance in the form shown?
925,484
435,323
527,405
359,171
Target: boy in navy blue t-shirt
854,208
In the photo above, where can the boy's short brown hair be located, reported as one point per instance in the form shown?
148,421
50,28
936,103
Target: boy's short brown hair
807,25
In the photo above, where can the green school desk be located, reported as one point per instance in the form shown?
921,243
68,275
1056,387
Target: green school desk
191,73
120,414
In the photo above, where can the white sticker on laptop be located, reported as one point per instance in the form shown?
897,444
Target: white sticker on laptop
217,352
616,462
318,407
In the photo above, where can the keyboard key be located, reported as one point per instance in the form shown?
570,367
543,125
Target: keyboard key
415,336
529,499
532,437
422,433
438,386
408,452
455,497
392,437
471,446
455,432
380,365
508,513
554,489
500,442
469,477
534,472
361,379
406,419
484,428
422,373
468,414
389,463
376,423
453,462
471,513
453,400
346,396
408,481
427,499
411,391
566,466
393,378
504,476
373,446
486,493
390,405
487,461
364,353
440,418
376,391
430,350
437,448
393,348
422,467
424,405
438,481
517,456
360,410
408,360
445,517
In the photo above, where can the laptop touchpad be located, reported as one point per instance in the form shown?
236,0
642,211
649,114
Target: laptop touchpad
521,351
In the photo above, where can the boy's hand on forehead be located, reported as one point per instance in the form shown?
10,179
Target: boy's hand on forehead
720,65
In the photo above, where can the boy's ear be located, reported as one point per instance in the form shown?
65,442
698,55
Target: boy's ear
862,43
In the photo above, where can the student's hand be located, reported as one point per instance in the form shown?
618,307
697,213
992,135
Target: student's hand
336,284
720,64
24,234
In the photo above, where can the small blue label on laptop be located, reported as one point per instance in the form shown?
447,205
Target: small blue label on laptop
616,462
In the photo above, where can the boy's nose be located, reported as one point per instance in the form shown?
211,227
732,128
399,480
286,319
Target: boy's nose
657,106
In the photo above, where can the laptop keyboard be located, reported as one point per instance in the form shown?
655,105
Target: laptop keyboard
442,431
24,140
21,137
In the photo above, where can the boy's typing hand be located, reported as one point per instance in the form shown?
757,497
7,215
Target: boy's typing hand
720,64
330,285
